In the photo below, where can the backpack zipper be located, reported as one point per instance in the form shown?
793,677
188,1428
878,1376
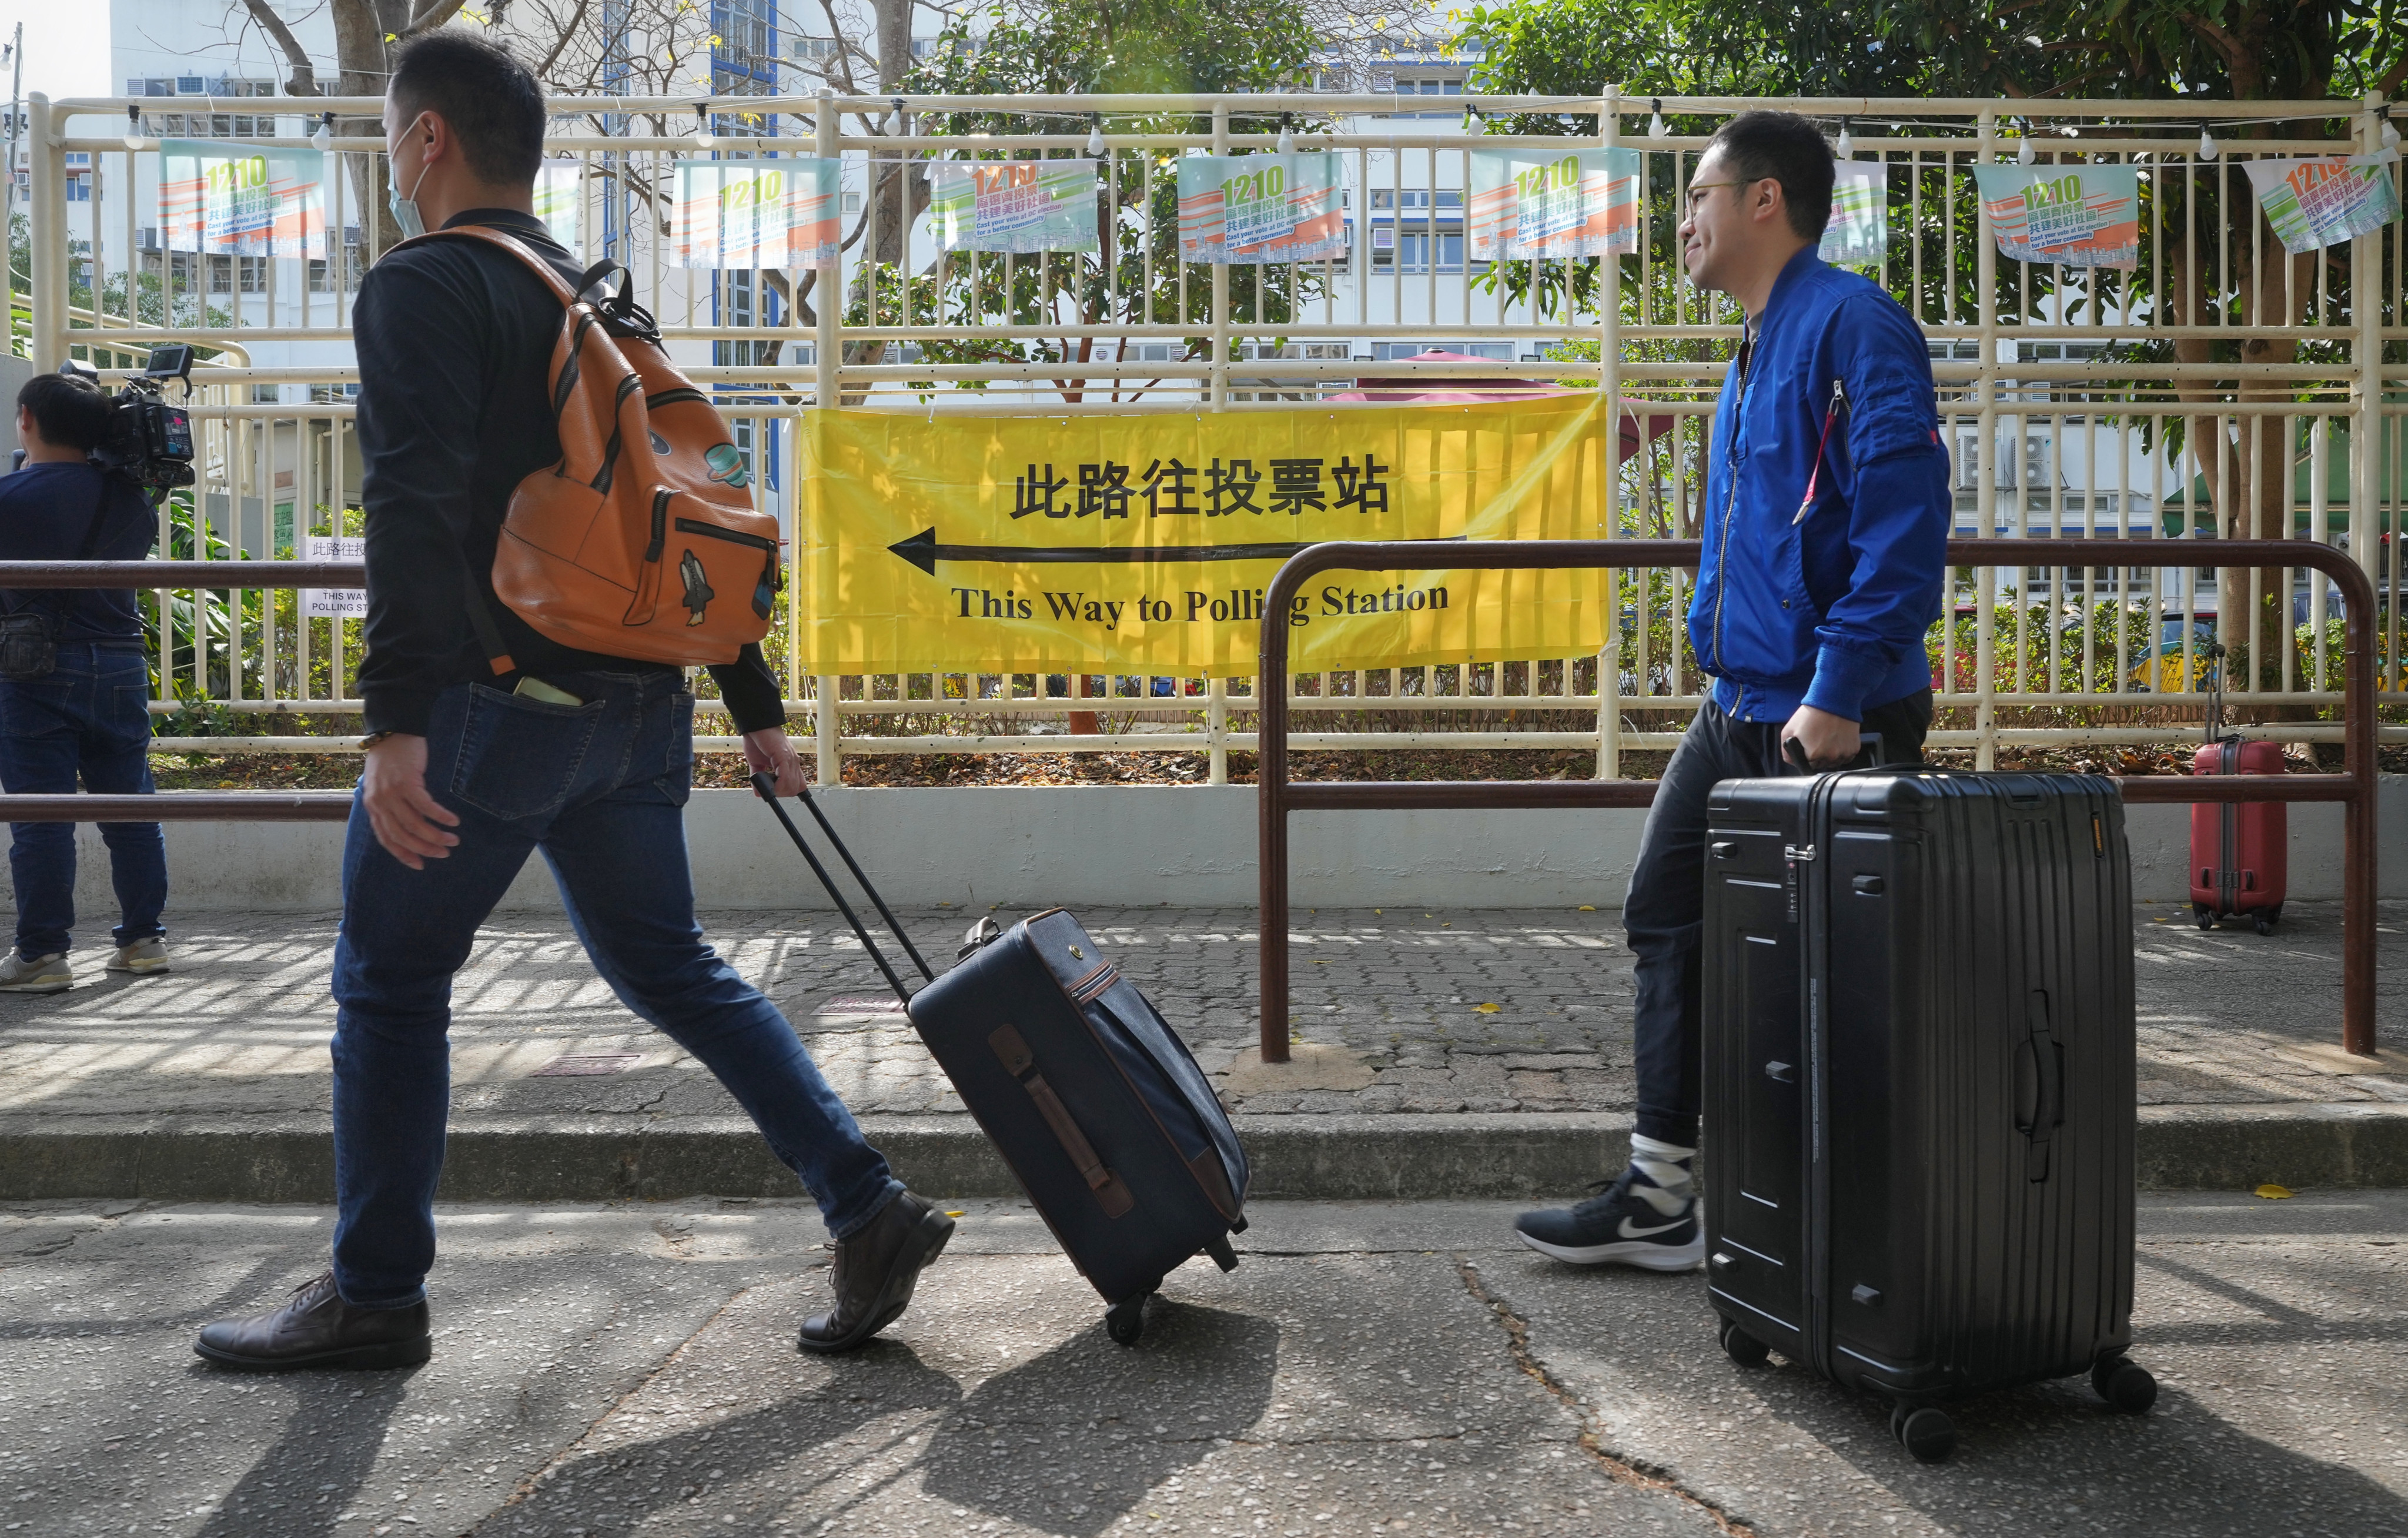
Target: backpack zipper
712,531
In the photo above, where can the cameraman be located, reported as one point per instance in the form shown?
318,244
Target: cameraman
90,713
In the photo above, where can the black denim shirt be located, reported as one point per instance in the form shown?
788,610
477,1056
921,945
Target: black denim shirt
455,341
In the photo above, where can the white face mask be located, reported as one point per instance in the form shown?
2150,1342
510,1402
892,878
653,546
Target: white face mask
405,210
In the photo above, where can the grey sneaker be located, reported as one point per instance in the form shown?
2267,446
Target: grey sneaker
142,957
43,974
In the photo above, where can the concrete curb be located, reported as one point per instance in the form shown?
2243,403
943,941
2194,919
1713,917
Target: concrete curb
1333,1157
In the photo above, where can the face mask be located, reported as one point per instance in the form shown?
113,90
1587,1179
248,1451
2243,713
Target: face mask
405,210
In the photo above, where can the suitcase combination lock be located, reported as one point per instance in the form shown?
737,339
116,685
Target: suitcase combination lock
1793,856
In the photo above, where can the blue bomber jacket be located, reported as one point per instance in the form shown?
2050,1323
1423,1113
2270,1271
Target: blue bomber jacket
1830,608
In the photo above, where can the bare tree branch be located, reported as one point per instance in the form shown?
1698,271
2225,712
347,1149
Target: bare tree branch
303,82
429,16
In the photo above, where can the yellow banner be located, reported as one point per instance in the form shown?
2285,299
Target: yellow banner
1142,543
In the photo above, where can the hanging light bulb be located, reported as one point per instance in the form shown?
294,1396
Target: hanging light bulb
1655,129
2025,153
1846,148
1287,135
1095,134
703,137
133,128
2390,134
2208,148
323,134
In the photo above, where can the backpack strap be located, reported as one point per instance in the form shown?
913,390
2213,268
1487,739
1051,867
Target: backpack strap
520,249
488,634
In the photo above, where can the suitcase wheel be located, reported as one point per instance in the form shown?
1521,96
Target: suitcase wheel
1125,1321
1925,1433
2124,1384
2268,918
1743,1347
2205,915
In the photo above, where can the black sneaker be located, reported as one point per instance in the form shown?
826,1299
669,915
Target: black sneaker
1618,1227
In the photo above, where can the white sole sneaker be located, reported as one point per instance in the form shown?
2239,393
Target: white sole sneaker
140,966
51,974
1646,1256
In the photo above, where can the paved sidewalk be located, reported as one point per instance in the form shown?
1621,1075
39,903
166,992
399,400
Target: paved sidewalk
1416,1023
630,1368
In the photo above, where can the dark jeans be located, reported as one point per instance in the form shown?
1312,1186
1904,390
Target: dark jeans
600,788
1663,913
90,715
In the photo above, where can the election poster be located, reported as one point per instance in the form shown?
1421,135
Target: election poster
1858,232
756,213
2322,202
333,603
1144,543
1526,204
2074,216
241,200
1017,206
1260,208
560,200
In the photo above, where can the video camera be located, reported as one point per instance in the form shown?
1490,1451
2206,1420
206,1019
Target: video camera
148,439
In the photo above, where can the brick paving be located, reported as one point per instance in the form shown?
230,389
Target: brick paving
1473,1012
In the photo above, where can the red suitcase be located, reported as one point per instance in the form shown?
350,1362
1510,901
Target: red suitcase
2239,850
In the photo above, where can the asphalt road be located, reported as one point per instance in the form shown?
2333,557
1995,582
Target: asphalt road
605,1370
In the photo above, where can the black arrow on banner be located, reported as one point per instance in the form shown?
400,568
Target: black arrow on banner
923,551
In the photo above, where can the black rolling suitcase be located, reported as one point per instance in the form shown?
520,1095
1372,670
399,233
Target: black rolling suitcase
1089,1096
1918,1059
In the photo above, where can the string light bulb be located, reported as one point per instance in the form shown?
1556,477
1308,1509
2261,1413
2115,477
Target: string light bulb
1095,134
2208,148
1656,128
703,137
1287,133
1846,148
133,128
2390,133
2025,152
323,134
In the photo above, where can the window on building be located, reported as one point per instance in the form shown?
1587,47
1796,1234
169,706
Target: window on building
267,395
333,395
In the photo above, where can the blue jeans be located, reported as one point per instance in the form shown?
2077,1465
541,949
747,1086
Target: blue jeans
600,788
92,714
1664,914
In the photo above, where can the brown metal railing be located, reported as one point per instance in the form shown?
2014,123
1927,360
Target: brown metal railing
2354,788
184,806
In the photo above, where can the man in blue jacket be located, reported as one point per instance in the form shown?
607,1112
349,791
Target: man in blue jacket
1826,530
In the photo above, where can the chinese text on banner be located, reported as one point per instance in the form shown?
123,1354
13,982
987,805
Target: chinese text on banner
1858,232
2316,203
1144,543
2074,216
1527,203
1260,208
756,213
338,603
240,200
1017,206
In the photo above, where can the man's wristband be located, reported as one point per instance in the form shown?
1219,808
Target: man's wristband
372,738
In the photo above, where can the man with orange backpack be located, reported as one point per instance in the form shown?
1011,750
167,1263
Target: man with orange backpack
500,401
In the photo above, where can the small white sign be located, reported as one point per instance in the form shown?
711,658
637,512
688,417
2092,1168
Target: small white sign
338,603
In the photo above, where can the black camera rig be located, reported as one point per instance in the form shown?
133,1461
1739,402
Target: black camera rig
148,439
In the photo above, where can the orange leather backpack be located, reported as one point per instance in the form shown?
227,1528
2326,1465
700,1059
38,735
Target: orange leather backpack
643,541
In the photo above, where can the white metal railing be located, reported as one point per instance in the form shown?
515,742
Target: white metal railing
2220,387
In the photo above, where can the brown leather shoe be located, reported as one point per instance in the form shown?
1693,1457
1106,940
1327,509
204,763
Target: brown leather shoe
875,1271
316,1329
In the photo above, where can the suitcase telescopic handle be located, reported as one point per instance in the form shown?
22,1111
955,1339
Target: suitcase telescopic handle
766,788
1793,753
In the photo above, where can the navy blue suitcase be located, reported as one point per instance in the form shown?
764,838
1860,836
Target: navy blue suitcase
1090,1097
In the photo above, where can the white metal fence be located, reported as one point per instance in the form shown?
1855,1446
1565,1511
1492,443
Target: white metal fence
2221,387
